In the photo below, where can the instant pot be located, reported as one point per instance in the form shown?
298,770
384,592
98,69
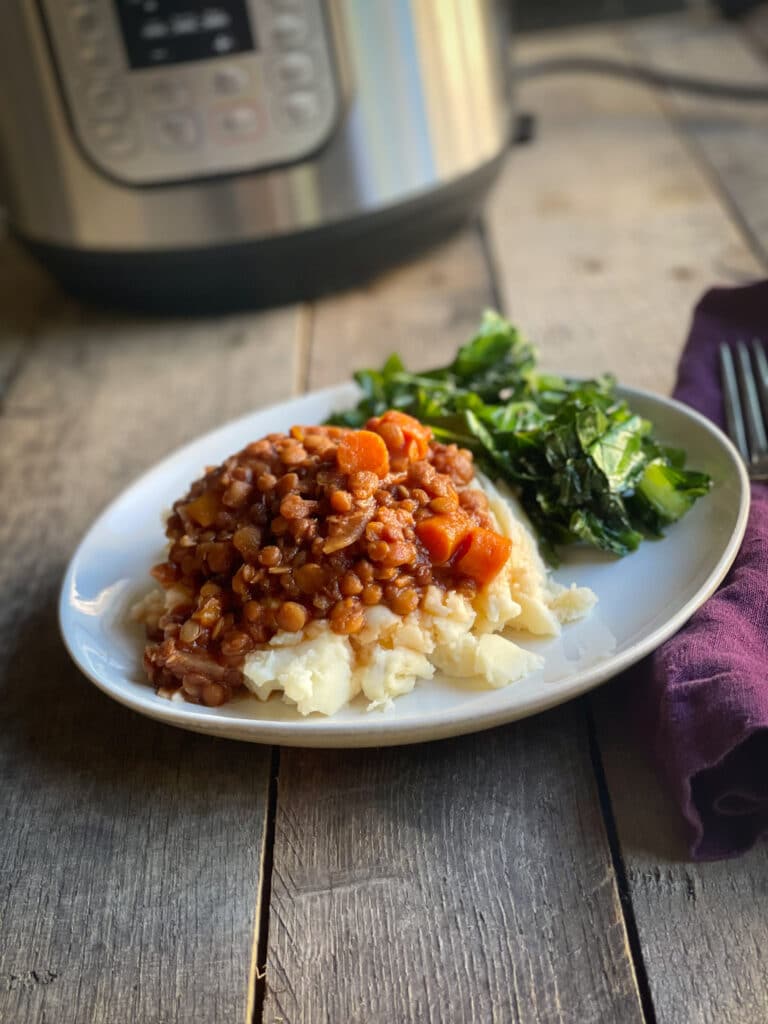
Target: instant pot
189,155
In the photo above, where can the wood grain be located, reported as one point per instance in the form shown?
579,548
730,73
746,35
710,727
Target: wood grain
605,237
26,295
421,309
703,927
468,880
755,30
130,852
605,230
731,139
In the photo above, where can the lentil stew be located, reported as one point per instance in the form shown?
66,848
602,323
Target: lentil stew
319,523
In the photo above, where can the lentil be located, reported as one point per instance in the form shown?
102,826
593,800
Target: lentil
350,584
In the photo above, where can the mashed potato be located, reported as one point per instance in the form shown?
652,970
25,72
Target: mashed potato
320,671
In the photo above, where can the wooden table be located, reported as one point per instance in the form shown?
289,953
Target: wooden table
531,873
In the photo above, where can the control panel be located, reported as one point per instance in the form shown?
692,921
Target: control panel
172,90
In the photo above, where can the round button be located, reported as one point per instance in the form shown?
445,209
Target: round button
289,30
115,138
295,69
167,93
107,101
87,24
301,108
230,80
176,131
96,57
240,121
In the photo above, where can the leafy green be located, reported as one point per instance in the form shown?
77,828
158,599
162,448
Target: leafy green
586,468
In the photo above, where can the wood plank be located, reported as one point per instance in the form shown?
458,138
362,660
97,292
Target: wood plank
604,229
755,27
421,309
602,270
130,852
533,16
731,139
26,293
468,880
703,926
704,921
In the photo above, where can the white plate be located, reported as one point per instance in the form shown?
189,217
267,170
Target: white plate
643,598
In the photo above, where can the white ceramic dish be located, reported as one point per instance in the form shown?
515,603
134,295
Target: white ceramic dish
643,598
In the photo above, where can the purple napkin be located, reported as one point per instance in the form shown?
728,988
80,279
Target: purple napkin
709,685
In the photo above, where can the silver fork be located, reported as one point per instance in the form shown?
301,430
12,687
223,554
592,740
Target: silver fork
745,395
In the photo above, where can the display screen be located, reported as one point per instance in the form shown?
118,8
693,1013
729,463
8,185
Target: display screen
159,32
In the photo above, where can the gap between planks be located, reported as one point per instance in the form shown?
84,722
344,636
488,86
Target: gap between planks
724,138
112,394
620,869
453,924
603,270
257,981
609,822
638,44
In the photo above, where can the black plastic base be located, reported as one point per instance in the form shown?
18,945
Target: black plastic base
271,272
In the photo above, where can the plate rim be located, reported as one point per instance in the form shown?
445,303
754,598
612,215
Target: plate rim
432,725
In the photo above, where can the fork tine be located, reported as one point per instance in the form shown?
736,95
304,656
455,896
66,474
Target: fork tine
761,375
734,421
753,416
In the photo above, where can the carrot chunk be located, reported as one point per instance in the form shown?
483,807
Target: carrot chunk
204,509
416,436
441,535
362,451
483,555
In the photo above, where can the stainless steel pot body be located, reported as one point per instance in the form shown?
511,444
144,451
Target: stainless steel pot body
422,101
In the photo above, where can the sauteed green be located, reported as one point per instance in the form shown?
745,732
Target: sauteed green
586,468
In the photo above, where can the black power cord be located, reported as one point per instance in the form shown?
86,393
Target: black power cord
713,88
